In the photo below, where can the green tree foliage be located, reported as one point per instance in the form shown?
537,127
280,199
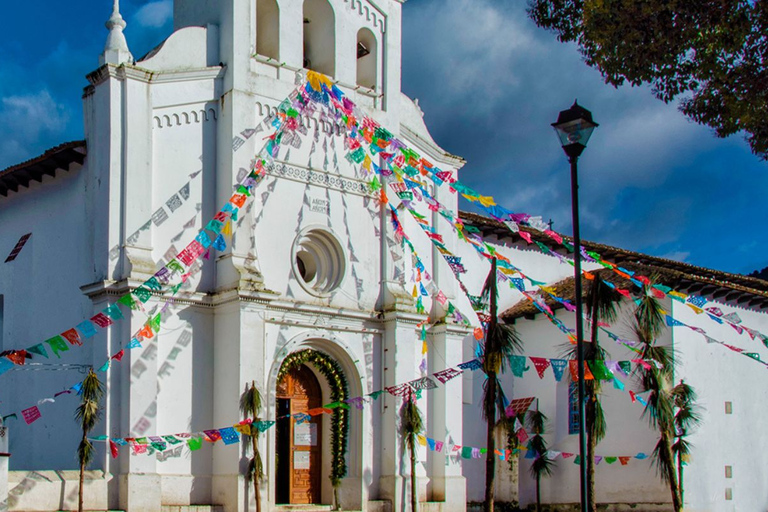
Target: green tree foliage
542,465
250,407
501,341
711,54
687,418
601,307
87,415
658,380
411,423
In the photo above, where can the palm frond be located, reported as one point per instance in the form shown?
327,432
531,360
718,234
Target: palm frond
537,421
87,413
411,422
661,460
681,447
250,401
488,285
683,394
648,317
542,466
93,389
85,452
601,301
599,424
501,342
659,409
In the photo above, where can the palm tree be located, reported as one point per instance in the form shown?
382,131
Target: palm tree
686,419
87,415
411,423
601,307
600,304
542,465
648,325
250,406
501,341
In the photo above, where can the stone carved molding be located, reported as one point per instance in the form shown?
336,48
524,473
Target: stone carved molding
189,117
370,12
316,177
324,125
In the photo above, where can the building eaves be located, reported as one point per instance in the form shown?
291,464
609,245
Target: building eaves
683,277
59,157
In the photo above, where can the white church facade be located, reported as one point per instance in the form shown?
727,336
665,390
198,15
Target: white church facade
309,297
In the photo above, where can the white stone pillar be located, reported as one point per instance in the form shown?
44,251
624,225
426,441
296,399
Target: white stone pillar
446,483
400,365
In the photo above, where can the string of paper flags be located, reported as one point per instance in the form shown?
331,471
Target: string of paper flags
183,265
231,434
366,138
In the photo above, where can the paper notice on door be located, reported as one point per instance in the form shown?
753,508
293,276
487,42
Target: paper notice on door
305,434
300,460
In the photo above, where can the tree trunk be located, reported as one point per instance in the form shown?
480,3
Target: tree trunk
672,474
589,412
82,481
490,459
538,492
680,478
414,492
256,486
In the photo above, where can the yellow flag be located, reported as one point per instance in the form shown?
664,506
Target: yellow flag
422,440
486,201
227,229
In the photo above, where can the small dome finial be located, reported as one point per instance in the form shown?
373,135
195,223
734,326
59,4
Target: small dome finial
116,50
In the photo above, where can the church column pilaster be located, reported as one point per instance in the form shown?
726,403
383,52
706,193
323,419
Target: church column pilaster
139,481
445,423
401,356
239,358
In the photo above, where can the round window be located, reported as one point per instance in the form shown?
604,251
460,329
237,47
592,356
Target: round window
318,261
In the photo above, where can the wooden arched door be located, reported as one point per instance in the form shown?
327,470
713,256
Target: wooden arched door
298,444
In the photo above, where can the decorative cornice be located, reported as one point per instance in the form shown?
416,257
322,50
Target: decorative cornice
194,116
370,11
124,71
319,178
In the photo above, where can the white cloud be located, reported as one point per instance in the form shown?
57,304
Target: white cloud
27,119
677,255
155,14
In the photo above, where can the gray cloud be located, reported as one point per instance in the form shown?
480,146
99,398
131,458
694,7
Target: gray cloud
490,83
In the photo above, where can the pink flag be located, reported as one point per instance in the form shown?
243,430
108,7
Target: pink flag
31,415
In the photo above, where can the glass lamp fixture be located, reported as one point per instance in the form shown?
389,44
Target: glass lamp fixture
574,128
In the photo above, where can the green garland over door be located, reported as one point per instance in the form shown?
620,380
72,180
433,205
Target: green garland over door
334,375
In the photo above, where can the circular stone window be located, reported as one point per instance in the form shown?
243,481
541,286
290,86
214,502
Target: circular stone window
318,261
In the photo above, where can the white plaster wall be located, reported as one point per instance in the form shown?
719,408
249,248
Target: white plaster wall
719,375
41,298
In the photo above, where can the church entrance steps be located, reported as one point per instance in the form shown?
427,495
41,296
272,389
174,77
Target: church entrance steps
303,508
192,508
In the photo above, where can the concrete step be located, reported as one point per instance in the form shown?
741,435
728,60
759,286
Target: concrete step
192,508
303,508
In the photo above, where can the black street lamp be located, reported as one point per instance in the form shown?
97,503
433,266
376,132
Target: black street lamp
574,128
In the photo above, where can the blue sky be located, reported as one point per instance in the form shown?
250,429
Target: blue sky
490,83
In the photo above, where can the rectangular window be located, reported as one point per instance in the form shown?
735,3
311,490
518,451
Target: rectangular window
573,408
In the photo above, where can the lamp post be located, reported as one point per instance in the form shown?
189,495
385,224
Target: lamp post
574,127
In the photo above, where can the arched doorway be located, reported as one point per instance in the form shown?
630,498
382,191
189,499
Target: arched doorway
299,456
